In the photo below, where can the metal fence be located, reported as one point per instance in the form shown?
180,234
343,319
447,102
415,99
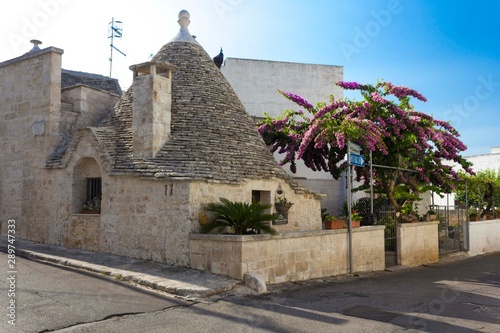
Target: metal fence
451,227
386,216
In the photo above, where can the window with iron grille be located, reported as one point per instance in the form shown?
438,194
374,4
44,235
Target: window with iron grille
93,188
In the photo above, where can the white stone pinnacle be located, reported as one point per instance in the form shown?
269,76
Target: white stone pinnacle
184,35
184,18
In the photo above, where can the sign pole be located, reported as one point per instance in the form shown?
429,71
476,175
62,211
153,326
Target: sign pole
349,198
371,186
355,158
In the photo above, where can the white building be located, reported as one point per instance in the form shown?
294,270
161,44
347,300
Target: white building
256,82
489,161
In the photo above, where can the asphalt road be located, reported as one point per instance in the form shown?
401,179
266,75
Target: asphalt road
49,298
455,296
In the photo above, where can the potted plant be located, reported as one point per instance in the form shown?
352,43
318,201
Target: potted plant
241,218
356,219
332,222
92,206
473,216
407,214
282,204
431,215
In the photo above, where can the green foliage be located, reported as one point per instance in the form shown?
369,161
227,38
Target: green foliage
242,217
345,210
355,216
332,218
284,201
324,214
483,190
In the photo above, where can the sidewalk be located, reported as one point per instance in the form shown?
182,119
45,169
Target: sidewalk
175,280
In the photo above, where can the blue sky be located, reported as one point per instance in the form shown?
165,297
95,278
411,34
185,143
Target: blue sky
448,50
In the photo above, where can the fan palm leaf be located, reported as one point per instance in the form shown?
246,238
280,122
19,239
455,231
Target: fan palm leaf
239,216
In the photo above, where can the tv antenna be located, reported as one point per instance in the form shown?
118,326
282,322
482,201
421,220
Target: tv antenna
115,30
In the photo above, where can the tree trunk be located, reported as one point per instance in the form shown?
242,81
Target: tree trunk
391,196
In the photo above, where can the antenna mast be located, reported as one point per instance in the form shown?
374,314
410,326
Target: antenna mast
115,30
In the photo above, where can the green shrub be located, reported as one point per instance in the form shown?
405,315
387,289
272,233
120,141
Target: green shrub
242,217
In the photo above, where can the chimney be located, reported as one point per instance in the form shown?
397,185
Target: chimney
151,107
35,43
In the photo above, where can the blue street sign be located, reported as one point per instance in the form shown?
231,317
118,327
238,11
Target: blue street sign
356,160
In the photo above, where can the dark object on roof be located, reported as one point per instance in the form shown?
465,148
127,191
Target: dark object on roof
96,81
219,59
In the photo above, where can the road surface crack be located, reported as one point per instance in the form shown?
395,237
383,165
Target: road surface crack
114,316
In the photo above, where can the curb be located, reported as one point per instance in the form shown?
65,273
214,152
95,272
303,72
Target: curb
146,280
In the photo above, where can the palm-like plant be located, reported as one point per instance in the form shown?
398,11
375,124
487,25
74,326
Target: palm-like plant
240,216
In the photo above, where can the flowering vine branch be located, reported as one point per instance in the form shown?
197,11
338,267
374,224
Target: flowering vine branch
383,122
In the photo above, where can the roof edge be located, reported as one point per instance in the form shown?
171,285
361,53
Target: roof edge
32,54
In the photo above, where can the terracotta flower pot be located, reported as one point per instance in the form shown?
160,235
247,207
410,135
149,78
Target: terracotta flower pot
335,224
89,211
281,207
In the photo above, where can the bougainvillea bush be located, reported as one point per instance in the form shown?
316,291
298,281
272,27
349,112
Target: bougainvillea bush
383,122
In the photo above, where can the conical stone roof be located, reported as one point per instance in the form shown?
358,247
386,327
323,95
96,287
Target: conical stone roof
212,136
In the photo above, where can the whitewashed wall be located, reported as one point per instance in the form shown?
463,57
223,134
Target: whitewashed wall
256,82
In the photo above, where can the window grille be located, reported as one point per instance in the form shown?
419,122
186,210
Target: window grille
93,188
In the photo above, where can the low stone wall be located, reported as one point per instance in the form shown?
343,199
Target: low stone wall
83,232
417,243
484,236
292,256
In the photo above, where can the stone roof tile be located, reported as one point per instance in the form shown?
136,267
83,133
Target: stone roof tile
100,82
212,136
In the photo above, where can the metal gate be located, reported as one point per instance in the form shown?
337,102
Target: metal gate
387,216
451,227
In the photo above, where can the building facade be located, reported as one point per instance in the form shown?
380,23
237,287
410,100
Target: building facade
256,82
84,166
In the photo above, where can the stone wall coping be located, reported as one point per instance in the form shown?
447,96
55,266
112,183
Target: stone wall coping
81,85
285,235
271,62
30,55
484,222
418,224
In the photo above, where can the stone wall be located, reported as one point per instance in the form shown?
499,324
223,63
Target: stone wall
29,118
417,243
89,104
292,256
146,219
484,236
83,232
35,117
305,213
139,218
150,219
